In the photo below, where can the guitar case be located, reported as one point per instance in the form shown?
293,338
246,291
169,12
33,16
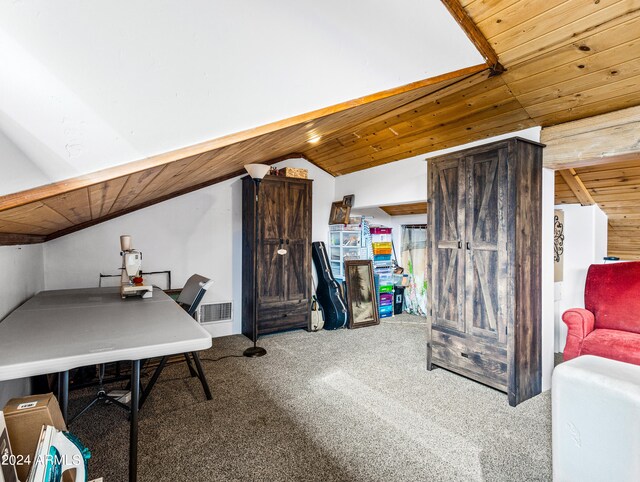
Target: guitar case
328,292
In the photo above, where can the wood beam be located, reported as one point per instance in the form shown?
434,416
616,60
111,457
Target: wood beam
475,35
576,185
611,137
405,209
12,239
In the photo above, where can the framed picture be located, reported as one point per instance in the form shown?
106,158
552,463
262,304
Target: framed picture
348,200
361,293
339,213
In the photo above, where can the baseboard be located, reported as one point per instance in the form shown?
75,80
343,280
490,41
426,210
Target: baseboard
219,328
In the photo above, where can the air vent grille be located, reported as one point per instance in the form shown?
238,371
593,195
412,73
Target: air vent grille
213,312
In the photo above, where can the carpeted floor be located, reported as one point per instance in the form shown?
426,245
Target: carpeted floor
346,405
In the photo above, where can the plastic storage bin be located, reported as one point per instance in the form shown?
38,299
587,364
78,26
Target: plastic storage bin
380,230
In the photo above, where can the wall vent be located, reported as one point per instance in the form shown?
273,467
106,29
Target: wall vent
215,312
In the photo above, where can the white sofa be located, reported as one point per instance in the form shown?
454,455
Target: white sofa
596,420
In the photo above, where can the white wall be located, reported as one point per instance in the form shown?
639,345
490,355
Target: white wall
22,277
95,84
585,243
200,232
399,182
20,172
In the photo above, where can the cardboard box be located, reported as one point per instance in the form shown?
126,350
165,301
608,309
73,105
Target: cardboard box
7,462
297,172
24,418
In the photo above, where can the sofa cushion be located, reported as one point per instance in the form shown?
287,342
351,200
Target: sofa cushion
614,344
612,294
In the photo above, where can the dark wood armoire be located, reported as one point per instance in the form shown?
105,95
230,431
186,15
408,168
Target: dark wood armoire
484,265
282,262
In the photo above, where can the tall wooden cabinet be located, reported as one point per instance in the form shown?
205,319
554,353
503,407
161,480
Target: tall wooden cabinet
282,263
484,265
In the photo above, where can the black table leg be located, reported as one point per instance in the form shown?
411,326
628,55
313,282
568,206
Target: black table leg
152,382
202,376
63,391
133,431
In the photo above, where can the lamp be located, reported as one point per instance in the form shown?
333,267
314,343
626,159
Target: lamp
257,173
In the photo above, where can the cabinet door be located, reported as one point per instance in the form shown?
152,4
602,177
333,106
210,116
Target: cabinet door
270,266
297,227
486,299
447,261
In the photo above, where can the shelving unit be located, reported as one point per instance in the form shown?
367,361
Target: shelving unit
383,269
345,242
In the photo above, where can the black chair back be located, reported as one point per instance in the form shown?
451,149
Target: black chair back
193,292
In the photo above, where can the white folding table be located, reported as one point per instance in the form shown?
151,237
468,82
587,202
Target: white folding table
56,331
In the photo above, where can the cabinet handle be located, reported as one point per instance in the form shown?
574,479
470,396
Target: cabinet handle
459,244
281,241
464,355
287,241
468,245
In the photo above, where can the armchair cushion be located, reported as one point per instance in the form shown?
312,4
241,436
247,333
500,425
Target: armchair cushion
613,344
612,294
580,323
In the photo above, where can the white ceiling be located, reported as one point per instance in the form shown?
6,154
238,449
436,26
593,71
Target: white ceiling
100,83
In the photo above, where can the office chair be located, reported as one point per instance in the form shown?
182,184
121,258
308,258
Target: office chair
189,299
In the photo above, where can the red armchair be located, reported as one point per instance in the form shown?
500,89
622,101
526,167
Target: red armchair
610,325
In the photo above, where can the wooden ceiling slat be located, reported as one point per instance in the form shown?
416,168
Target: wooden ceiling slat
170,178
515,120
20,228
406,209
479,10
103,195
74,205
513,16
424,140
542,69
443,103
558,26
404,115
619,182
135,183
590,80
584,73
599,106
585,97
42,217
603,172
442,114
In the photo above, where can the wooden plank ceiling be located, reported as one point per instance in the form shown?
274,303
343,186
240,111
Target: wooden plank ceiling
564,60
615,188
405,209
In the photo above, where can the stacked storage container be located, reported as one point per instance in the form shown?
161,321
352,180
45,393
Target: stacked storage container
383,269
345,242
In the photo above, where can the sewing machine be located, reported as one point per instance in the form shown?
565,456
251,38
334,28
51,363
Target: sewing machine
131,281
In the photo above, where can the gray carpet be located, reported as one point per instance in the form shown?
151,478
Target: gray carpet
346,405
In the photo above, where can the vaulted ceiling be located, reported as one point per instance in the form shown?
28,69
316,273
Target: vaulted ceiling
547,63
615,188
